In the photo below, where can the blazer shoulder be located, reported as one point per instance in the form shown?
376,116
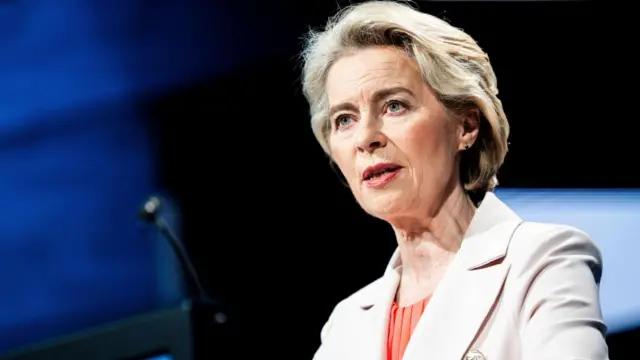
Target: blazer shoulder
534,234
533,240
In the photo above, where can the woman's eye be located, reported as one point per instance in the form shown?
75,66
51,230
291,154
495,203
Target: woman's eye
343,120
395,106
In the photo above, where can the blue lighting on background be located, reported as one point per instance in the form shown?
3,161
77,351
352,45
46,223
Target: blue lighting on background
76,156
611,218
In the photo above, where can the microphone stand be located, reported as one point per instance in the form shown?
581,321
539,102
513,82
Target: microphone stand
150,213
210,316
182,256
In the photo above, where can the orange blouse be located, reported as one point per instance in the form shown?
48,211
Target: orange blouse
402,322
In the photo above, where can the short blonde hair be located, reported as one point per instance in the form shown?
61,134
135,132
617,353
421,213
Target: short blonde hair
451,62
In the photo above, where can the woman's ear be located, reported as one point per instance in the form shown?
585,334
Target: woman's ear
470,128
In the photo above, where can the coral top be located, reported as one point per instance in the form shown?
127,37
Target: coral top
402,322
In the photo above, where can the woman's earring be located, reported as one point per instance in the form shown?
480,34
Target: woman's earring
466,146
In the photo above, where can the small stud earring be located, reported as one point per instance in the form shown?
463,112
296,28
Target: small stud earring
466,146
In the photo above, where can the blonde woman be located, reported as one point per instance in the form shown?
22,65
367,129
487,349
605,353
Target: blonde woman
406,105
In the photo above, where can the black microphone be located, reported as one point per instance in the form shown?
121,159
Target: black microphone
150,213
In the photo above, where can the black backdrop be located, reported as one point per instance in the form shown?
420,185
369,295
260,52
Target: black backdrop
268,222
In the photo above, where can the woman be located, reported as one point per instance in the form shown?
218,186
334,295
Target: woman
406,105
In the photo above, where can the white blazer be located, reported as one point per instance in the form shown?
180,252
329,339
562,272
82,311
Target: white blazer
515,291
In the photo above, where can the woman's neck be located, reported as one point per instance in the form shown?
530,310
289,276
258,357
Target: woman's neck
429,242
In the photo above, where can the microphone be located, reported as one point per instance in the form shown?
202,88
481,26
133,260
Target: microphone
150,213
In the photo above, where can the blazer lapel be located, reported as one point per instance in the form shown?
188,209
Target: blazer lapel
469,289
375,307
459,306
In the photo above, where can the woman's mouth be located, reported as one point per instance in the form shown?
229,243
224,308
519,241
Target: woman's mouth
380,175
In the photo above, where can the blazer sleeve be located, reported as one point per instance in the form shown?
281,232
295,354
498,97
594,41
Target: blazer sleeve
560,315
326,328
324,333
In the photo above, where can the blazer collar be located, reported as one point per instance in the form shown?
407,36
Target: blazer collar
476,272
491,212
488,236
479,246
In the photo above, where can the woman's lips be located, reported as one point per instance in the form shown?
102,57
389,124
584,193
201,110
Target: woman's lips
382,179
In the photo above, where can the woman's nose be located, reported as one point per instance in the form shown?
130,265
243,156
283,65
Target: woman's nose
369,139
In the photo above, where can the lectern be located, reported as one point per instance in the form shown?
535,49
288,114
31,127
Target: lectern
192,331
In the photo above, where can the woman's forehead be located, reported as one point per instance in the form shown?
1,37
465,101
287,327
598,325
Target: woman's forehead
369,72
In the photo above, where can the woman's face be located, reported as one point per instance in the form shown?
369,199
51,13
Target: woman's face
390,137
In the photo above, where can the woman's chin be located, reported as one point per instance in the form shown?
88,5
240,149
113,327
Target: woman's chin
385,205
